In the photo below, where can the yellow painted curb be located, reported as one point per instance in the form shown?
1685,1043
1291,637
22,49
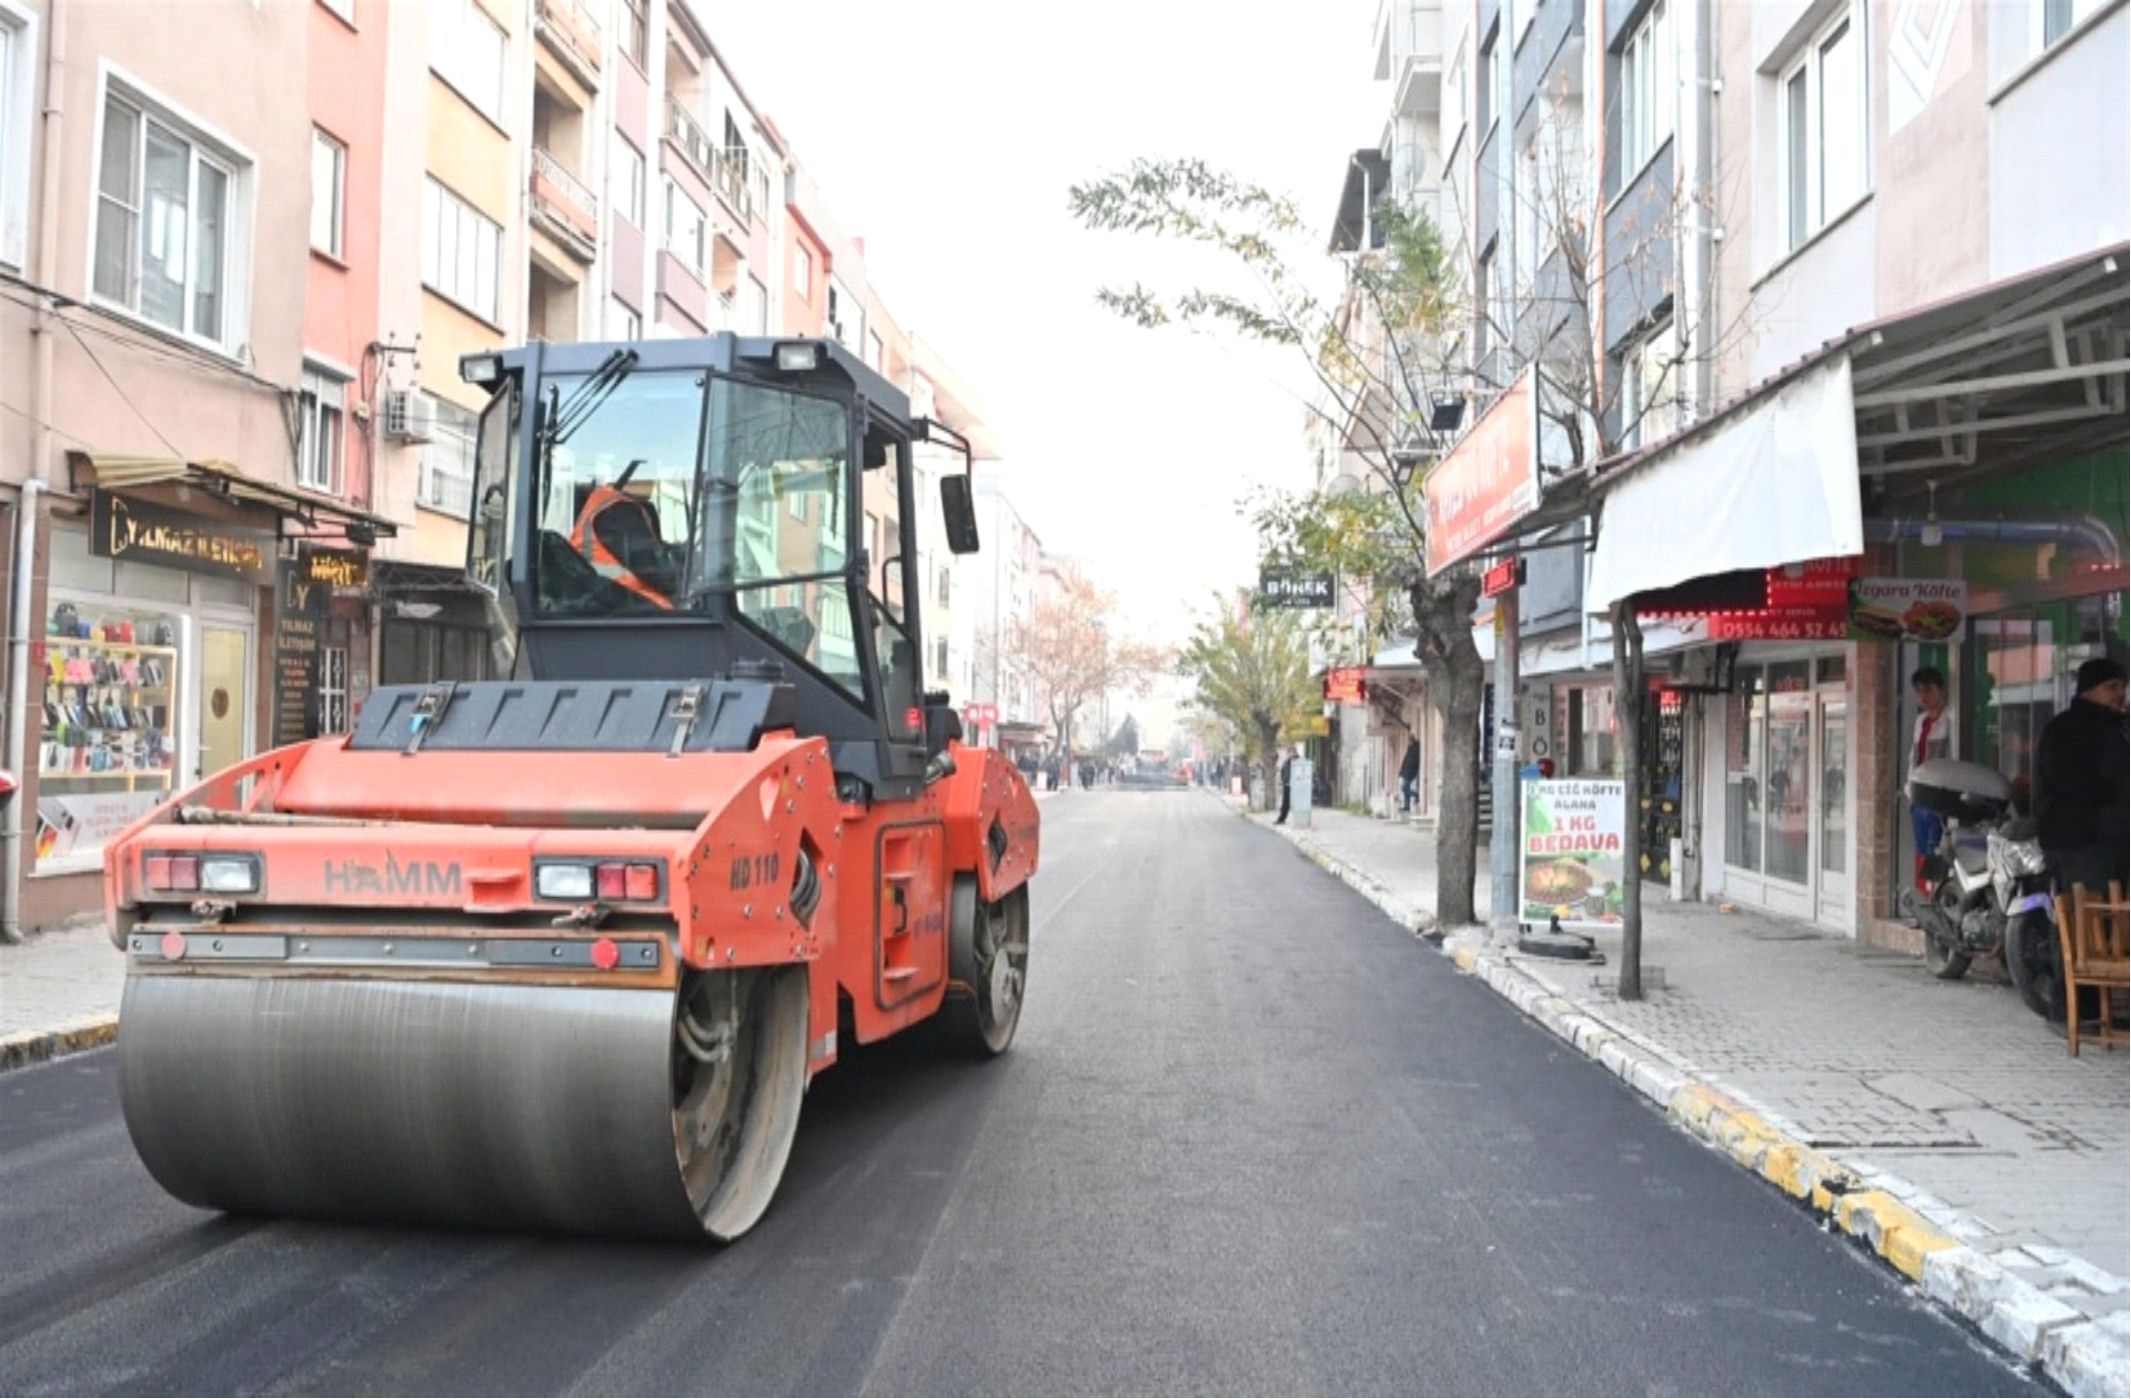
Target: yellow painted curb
1465,958
35,1046
1908,1243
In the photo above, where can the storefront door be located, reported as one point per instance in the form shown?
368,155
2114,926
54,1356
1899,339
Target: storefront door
225,714
1834,833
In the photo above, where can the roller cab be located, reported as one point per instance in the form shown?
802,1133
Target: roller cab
563,950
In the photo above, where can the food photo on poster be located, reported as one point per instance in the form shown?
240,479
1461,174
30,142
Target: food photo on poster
1570,863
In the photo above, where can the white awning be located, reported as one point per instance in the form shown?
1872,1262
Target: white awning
1775,483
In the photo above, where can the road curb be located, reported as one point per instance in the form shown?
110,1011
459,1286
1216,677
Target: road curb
26,1047
1918,1237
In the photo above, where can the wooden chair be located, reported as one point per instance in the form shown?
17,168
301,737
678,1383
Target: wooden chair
2094,936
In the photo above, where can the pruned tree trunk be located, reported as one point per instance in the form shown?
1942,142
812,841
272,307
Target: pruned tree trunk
1442,612
1628,701
1269,762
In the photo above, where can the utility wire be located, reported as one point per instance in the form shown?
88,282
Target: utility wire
115,388
36,421
42,298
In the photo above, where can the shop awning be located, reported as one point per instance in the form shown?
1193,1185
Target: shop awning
1771,483
116,473
2030,368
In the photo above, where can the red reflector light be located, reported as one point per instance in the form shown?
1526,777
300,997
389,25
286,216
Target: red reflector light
157,871
184,872
605,954
611,881
173,946
913,719
643,881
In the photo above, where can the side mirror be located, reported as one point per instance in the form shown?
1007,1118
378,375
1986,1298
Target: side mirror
959,508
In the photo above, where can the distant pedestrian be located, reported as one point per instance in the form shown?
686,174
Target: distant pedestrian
1287,772
1409,777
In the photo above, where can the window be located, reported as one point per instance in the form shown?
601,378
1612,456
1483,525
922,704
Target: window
323,404
835,314
946,587
1487,82
163,215
623,323
873,351
343,8
466,50
446,481
636,34
1650,387
802,272
1822,132
685,228
1530,218
1647,95
332,689
329,183
762,191
629,181
17,81
461,248
755,306
1483,301
2053,19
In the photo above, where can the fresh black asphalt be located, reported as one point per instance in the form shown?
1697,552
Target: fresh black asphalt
1253,1138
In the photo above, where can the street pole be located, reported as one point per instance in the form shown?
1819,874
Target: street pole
1502,844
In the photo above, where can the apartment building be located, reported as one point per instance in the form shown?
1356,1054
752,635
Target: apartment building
182,400
1830,336
998,599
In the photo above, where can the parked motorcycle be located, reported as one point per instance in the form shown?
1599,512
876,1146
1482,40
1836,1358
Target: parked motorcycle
1990,888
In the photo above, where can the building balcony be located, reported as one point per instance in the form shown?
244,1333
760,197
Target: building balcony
1409,54
724,170
562,207
574,35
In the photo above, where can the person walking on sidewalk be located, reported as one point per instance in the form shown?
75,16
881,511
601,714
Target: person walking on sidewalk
1409,777
1931,738
1287,772
2080,780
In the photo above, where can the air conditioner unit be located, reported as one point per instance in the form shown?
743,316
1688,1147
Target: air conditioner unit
410,416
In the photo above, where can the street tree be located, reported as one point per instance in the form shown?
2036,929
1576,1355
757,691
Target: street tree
1374,395
1074,656
1253,678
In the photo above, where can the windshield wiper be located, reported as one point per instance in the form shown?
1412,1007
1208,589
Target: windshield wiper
566,418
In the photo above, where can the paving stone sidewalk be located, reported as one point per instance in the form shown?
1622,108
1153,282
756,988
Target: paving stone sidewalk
59,991
1951,1092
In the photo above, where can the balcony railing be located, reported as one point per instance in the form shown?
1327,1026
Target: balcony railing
725,168
576,32
566,201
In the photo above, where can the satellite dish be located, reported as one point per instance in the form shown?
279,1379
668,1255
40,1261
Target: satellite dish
1344,484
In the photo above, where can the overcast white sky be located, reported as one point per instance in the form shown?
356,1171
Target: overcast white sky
946,132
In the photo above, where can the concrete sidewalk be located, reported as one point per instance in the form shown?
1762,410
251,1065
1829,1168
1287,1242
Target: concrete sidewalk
1951,1096
59,992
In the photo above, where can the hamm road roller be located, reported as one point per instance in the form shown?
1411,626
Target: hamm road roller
564,950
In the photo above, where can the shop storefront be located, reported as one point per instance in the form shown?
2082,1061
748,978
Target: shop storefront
181,626
1785,822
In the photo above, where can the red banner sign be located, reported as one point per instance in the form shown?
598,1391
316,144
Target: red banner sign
980,715
1502,577
1347,684
1489,481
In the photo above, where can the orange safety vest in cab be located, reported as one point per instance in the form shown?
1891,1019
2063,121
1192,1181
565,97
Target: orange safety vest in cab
618,535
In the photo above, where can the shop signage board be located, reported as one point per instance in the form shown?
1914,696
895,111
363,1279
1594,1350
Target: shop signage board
980,715
1346,684
1489,481
333,568
1291,588
302,613
1570,861
1502,577
141,531
89,820
1907,609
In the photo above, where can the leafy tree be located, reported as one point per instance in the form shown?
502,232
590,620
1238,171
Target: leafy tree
1253,677
1125,742
1376,391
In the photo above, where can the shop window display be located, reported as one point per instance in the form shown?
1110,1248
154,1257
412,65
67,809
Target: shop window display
110,704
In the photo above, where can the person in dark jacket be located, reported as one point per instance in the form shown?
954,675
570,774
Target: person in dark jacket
1287,769
2081,814
1409,777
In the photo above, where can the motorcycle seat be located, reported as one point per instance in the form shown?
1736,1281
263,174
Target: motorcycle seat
1970,859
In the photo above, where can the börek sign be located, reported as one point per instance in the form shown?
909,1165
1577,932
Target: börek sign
1907,609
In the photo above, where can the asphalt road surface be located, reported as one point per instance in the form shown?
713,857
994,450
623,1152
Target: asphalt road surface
1252,1138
